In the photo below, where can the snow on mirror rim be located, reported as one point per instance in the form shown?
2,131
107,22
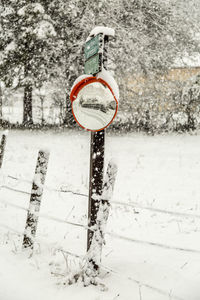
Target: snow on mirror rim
95,106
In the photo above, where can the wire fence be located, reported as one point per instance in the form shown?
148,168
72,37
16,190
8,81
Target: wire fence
143,284
10,229
112,234
134,205
139,283
157,210
64,189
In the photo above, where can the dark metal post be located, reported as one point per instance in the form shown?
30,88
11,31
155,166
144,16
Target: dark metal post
35,200
1,104
94,253
96,179
96,166
2,149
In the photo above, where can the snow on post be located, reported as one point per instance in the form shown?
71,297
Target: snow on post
2,146
91,264
101,29
35,200
93,258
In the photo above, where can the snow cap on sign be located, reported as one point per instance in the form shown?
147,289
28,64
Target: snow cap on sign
106,76
101,29
80,78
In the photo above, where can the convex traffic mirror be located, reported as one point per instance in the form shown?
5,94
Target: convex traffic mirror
94,104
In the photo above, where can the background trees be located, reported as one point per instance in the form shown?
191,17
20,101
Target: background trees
29,49
191,101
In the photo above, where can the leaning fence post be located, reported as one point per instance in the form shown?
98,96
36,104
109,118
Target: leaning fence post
35,199
2,147
94,252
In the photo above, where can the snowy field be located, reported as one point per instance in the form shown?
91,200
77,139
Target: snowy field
157,175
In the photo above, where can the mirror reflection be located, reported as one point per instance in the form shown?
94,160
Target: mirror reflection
95,106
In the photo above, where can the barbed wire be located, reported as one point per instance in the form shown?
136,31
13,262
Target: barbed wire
13,205
62,189
19,179
11,229
112,234
157,210
138,282
155,244
14,190
45,216
62,221
115,235
142,284
114,202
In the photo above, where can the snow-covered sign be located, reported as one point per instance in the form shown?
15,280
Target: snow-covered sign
101,29
95,101
92,46
94,49
93,64
93,54
95,94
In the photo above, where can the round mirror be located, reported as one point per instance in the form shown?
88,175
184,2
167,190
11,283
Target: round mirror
95,106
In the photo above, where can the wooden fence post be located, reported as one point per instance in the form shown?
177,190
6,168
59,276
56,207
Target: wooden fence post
35,199
2,148
94,252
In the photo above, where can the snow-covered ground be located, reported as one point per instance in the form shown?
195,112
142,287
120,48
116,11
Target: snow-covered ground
161,259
